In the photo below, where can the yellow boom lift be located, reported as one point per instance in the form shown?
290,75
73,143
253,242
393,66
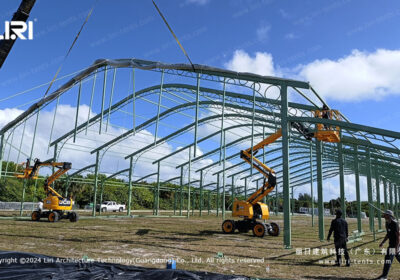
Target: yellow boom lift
58,207
252,208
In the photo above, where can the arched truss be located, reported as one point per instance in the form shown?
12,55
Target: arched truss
194,123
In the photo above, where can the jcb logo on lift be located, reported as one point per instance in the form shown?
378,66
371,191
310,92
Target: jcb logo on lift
18,28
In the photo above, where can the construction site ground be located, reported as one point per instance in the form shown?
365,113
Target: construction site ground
196,244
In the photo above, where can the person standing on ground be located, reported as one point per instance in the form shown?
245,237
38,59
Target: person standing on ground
340,233
40,206
392,233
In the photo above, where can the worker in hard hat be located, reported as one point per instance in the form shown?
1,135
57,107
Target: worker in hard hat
340,232
392,233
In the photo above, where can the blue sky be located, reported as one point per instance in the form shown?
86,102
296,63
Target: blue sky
293,32
347,49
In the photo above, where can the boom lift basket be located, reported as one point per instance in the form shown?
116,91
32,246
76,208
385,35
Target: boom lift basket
324,132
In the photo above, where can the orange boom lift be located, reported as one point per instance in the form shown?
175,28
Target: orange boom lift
57,206
252,209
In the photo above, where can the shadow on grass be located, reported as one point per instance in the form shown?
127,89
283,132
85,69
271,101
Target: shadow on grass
142,232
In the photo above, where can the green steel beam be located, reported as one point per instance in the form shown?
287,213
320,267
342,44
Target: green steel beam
341,180
358,199
287,236
321,229
349,126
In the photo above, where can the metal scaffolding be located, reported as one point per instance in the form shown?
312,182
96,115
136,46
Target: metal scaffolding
193,123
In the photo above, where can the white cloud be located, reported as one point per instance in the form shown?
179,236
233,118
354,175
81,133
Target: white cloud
79,152
284,14
198,2
357,76
263,32
291,36
262,63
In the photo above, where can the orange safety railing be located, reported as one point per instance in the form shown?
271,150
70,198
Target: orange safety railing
325,132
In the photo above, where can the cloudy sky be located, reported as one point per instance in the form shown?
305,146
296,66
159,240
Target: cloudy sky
347,49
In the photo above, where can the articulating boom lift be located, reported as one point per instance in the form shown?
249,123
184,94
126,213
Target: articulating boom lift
55,203
252,209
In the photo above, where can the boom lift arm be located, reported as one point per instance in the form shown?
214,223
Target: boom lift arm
269,174
55,203
31,172
252,208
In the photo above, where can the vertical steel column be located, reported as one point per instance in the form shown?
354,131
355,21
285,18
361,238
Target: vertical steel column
133,101
111,98
78,102
311,183
20,143
391,195
23,198
201,193
276,200
292,201
130,187
54,156
233,190
358,199
96,180
91,101
189,175
181,193
321,224
196,117
369,185
193,201
66,186
223,180
396,202
245,188
341,179
287,238
385,200
1,153
159,105
101,195
103,97
209,202
252,127
222,120
263,154
174,202
378,197
157,192
218,198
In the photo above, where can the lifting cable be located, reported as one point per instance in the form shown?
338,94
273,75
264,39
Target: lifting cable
70,48
173,34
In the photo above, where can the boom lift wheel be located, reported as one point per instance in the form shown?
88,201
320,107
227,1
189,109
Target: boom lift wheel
228,226
259,229
35,216
73,217
54,217
274,229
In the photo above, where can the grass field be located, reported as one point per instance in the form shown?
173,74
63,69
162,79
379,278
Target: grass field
194,243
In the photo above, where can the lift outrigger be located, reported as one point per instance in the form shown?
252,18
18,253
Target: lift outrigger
56,204
252,209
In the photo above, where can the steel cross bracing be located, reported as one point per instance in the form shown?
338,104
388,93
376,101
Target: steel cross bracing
193,124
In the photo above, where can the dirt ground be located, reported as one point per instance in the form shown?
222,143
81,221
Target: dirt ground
194,243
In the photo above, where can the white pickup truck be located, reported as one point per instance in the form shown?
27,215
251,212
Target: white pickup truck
110,206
